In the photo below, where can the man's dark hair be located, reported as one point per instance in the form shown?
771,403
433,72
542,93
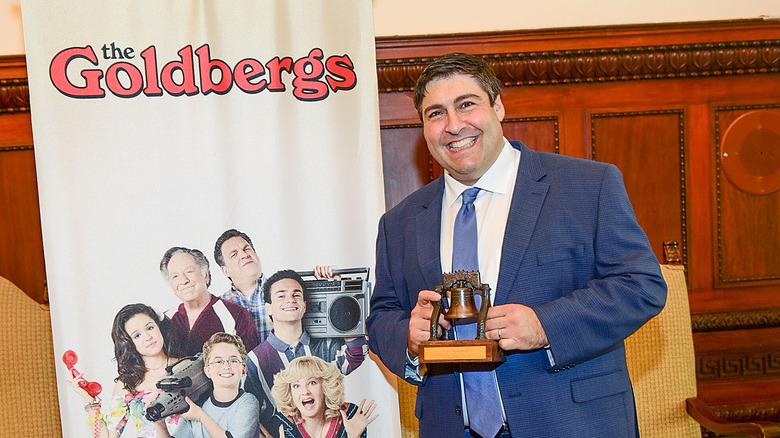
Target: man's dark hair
223,238
199,257
281,275
457,64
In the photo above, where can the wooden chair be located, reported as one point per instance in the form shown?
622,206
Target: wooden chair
29,405
662,367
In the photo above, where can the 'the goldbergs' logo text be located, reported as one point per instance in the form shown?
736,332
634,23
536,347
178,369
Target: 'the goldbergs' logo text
313,77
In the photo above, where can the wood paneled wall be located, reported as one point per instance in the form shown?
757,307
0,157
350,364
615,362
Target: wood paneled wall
688,112
21,243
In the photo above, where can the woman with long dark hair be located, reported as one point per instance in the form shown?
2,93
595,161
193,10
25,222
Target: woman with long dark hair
141,348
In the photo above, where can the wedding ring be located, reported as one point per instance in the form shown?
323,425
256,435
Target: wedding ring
499,333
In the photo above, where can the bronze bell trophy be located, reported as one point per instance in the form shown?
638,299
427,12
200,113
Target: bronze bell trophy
460,287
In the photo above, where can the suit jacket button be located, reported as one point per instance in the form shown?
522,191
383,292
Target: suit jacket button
458,411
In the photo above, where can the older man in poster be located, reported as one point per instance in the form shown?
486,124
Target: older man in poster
200,314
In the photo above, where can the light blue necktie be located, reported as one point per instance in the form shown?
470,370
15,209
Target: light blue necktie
482,399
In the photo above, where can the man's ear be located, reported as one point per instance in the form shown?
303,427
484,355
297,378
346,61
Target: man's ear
225,271
498,107
268,309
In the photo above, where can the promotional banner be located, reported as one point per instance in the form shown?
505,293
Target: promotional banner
160,124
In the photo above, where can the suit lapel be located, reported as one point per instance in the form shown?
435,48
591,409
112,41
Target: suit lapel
428,229
527,202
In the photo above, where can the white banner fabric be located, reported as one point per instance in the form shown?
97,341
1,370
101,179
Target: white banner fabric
164,123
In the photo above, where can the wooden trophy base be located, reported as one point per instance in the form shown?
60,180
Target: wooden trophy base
460,351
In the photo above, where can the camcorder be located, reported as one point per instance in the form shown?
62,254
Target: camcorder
185,378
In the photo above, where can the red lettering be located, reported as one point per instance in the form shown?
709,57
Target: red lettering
150,67
275,67
115,85
306,84
342,73
207,67
58,73
312,77
246,70
186,68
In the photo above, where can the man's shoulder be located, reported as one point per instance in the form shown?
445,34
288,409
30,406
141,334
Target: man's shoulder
234,308
248,399
178,313
562,168
229,295
263,349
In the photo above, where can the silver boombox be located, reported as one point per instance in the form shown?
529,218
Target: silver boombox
337,308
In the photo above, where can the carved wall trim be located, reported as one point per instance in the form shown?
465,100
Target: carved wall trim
738,320
4,148
718,192
14,96
605,64
753,364
681,135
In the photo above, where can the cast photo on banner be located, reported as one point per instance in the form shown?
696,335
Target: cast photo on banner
159,359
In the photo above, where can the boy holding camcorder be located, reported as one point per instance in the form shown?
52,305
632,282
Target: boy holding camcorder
229,411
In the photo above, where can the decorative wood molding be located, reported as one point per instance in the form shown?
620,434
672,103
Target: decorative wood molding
605,64
732,365
738,320
4,148
14,96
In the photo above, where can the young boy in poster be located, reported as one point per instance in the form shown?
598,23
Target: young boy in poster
229,412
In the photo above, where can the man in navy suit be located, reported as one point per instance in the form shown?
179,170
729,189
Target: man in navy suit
572,272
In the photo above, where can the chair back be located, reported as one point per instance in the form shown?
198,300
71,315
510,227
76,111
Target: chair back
662,365
29,406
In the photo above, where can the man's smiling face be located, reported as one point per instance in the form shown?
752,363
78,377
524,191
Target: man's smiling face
461,127
187,279
287,303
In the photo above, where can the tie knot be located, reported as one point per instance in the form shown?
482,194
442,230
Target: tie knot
469,195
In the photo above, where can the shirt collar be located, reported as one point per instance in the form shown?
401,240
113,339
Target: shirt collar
258,286
497,179
280,345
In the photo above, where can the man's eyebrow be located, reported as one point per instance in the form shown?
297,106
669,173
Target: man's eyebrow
431,107
466,97
457,100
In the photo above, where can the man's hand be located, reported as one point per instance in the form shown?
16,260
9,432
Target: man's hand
516,327
420,320
325,272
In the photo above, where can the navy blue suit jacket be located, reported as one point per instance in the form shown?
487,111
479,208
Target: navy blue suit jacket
574,252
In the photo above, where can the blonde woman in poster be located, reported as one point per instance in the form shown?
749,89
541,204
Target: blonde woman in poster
309,396
141,351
